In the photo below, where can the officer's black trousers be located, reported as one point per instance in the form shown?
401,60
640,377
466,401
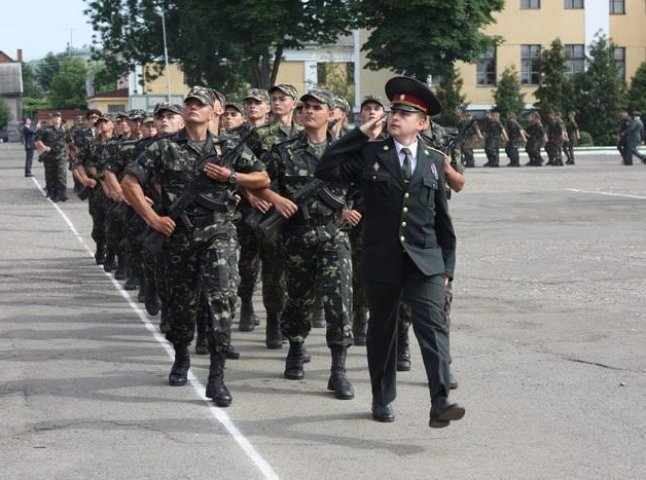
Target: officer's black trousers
426,297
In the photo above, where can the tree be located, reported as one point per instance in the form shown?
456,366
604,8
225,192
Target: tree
217,42
67,89
5,113
30,87
507,93
599,93
449,93
554,88
420,38
637,92
47,69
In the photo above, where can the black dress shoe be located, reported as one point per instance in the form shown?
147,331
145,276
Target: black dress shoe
443,412
403,358
383,413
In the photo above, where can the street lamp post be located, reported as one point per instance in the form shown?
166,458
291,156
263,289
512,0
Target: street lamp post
166,55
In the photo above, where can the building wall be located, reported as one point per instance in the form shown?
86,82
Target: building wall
158,86
295,72
108,104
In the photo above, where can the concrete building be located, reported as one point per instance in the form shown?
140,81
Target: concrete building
11,92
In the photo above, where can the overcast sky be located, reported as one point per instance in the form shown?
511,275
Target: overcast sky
42,26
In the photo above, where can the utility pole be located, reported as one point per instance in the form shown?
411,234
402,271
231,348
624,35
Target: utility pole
166,55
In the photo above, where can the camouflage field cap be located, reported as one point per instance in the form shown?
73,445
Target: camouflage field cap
167,107
136,114
121,115
372,99
106,117
342,104
219,96
259,94
320,96
148,119
204,95
286,88
236,106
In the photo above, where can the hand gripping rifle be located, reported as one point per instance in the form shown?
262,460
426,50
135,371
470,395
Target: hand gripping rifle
195,191
274,220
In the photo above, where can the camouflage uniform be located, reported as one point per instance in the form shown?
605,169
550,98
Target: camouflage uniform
535,138
198,258
468,144
515,141
91,158
316,250
268,248
571,127
554,146
493,141
54,161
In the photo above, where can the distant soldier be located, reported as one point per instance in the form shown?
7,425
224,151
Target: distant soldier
233,119
471,138
494,136
573,136
635,136
51,144
339,124
535,140
555,137
517,137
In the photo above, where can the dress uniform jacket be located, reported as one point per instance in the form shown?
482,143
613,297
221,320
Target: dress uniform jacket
398,217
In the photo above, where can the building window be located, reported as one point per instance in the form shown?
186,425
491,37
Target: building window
575,62
527,4
530,56
116,108
620,61
573,4
617,7
337,73
321,73
486,68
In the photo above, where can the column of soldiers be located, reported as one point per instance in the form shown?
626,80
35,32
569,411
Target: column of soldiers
557,137
258,157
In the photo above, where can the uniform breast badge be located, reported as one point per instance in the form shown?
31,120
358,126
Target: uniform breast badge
434,170
376,166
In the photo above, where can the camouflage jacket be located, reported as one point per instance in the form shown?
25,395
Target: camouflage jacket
266,136
555,132
56,138
119,154
80,136
513,131
174,162
292,164
470,138
91,156
535,135
493,134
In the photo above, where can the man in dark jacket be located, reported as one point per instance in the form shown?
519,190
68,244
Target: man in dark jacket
28,135
409,242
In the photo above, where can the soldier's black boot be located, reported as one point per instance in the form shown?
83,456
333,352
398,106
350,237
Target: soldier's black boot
232,353
216,390
151,299
294,362
99,255
338,381
179,371
132,283
403,350
273,338
201,345
247,315
359,327
108,262
141,293
121,271
62,194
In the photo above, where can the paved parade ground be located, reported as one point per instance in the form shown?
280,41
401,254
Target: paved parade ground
548,342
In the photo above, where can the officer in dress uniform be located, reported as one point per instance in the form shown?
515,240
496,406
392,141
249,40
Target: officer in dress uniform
409,242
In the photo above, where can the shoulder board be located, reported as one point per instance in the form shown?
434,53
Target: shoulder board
435,150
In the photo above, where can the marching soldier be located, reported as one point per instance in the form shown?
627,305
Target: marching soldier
494,136
573,136
517,137
198,249
535,140
51,143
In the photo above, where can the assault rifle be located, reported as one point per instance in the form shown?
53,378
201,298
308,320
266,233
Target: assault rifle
195,191
275,220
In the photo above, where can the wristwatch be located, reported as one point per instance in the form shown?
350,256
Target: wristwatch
233,178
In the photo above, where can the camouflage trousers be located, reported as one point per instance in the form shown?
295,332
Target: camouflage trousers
134,242
467,157
554,153
200,273
55,175
264,256
317,256
511,150
493,155
117,225
534,153
97,210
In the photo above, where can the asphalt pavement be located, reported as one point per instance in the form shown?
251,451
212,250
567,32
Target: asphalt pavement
548,342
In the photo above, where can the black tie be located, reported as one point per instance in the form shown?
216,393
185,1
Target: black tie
407,166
